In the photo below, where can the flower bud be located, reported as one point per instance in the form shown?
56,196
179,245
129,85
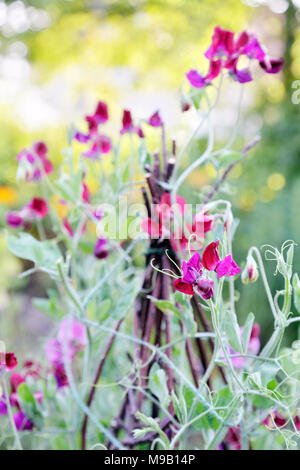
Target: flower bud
250,273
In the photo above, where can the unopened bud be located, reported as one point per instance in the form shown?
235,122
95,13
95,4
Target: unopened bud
250,273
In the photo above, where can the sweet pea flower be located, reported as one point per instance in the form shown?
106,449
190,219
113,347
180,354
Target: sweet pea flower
192,276
212,262
275,419
85,195
71,339
227,267
162,227
192,269
128,127
205,287
14,219
33,163
22,422
8,361
99,143
224,53
155,120
3,406
202,223
100,249
210,256
38,208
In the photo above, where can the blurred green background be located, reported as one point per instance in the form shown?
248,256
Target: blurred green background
57,58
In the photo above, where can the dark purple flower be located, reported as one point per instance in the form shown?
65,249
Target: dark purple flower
100,249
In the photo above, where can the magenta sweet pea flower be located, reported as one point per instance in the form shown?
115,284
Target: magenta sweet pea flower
100,249
224,53
85,194
3,406
222,43
196,79
34,162
38,208
272,65
242,76
101,113
192,269
22,422
128,126
215,68
192,276
155,120
99,143
16,380
14,219
227,267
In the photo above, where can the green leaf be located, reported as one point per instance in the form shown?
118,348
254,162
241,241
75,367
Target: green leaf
246,333
232,331
158,385
44,254
48,306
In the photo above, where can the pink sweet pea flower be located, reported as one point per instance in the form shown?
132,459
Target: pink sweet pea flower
164,208
210,257
152,227
38,208
227,267
72,333
155,120
100,249
202,224
128,126
222,43
22,422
